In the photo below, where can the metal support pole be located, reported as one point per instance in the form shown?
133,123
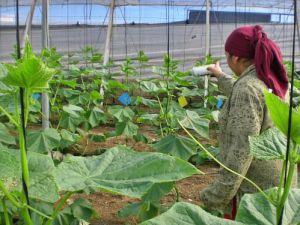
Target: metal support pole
207,49
109,33
45,44
28,22
108,40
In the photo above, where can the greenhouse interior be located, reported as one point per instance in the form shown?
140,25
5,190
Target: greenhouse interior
151,112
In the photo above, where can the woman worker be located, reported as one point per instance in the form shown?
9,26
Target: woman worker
258,63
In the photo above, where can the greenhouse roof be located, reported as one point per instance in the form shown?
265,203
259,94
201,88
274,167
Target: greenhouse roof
239,3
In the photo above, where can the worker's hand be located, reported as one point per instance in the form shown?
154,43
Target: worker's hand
216,70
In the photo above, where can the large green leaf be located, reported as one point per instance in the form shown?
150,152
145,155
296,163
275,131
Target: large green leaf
10,170
42,185
121,113
42,182
187,92
43,141
30,72
279,112
73,110
271,144
68,138
116,171
68,122
176,145
183,213
150,86
128,129
150,118
256,209
148,207
5,136
193,121
96,116
147,102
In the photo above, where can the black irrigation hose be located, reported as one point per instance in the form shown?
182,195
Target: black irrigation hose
291,102
21,95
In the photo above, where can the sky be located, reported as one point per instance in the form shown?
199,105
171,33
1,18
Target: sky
94,14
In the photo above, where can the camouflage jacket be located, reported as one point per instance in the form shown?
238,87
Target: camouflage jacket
244,114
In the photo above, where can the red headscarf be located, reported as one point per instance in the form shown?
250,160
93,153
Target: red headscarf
252,43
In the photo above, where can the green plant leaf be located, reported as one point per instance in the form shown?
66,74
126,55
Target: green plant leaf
148,118
97,137
148,207
69,122
193,121
157,191
128,129
42,182
116,171
187,92
279,112
68,138
176,145
10,170
96,116
68,83
149,87
256,209
121,113
188,214
73,110
271,144
30,72
147,102
42,185
43,141
5,136
82,99
82,209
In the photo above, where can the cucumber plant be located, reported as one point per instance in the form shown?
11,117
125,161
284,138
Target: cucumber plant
265,207
45,182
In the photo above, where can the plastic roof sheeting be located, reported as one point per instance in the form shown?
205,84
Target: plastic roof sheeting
281,4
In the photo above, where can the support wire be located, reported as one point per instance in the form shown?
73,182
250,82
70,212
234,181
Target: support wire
291,103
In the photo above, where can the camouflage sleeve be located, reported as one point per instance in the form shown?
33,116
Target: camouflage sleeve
225,84
244,119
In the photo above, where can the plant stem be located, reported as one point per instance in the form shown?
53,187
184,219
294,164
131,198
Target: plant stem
38,212
6,216
222,165
7,114
279,191
55,95
9,196
27,103
177,194
286,190
61,203
26,216
25,170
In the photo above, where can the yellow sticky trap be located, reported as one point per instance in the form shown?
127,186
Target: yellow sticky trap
182,101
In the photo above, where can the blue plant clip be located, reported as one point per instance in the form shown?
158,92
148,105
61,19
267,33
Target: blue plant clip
219,103
36,96
125,99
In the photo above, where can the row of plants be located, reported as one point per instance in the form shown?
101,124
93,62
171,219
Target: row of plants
34,189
